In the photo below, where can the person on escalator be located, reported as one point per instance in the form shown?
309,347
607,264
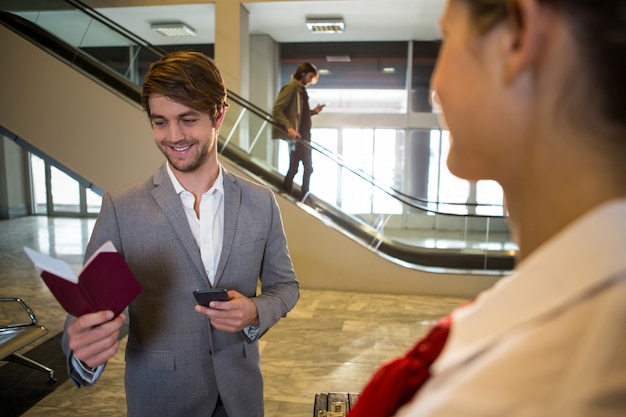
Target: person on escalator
292,113
192,224
533,94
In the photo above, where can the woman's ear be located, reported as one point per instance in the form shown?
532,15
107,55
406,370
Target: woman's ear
529,26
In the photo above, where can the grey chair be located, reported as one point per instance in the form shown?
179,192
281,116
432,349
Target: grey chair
15,336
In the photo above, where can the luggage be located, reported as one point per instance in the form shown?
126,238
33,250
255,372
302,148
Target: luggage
334,404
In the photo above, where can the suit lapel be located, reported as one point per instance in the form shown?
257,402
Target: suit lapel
232,203
166,197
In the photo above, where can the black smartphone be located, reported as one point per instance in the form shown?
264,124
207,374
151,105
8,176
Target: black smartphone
204,297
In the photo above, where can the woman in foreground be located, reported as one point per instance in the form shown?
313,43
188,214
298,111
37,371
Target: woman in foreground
534,95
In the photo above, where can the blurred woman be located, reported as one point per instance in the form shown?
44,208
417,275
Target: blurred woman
533,93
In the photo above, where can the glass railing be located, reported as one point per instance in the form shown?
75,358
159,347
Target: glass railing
413,232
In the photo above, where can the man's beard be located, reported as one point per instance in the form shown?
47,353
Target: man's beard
182,166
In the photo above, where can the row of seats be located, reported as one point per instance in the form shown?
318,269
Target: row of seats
18,333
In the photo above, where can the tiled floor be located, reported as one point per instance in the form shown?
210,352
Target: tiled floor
331,341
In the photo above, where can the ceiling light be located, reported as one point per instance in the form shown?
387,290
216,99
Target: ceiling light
338,58
173,29
325,25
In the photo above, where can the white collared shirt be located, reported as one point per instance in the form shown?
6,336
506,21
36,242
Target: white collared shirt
546,341
208,230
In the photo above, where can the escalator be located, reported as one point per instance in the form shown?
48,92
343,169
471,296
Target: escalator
44,118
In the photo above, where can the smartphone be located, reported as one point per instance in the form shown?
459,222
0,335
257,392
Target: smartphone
204,297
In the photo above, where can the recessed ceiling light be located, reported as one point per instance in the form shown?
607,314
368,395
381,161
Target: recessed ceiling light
173,29
325,25
338,58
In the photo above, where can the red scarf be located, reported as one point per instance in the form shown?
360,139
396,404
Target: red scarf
396,382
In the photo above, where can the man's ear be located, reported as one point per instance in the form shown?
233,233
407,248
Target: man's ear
220,119
529,26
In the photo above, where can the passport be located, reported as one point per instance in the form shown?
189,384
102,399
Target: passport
104,283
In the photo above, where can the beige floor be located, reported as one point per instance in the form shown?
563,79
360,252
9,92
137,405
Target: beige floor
331,341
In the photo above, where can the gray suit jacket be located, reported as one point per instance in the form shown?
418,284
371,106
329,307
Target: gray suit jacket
176,362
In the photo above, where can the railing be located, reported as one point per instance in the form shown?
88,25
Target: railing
414,234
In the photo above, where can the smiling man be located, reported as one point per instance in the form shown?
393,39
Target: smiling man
192,224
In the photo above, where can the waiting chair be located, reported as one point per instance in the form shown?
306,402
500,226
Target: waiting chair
15,336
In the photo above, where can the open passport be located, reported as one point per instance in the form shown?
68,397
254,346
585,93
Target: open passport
105,282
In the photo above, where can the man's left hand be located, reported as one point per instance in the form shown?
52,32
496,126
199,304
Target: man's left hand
233,315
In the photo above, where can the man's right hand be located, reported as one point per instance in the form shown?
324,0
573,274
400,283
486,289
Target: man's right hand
293,133
94,338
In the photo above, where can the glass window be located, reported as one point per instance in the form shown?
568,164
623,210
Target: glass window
365,154
387,168
56,193
357,152
65,192
453,193
324,182
94,201
38,175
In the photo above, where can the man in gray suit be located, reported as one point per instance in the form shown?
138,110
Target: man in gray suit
191,225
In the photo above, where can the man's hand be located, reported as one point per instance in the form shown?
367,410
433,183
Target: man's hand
233,315
318,108
94,338
293,134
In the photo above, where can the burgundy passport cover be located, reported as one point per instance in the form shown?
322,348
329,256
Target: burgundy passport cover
106,283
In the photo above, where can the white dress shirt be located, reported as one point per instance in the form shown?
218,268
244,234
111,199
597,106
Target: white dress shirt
549,340
208,230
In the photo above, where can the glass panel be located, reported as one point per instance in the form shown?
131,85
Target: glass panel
356,195
65,192
387,169
325,171
452,189
490,192
108,46
94,201
38,176
69,26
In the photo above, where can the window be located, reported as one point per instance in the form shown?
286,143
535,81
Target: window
54,192
380,154
451,194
